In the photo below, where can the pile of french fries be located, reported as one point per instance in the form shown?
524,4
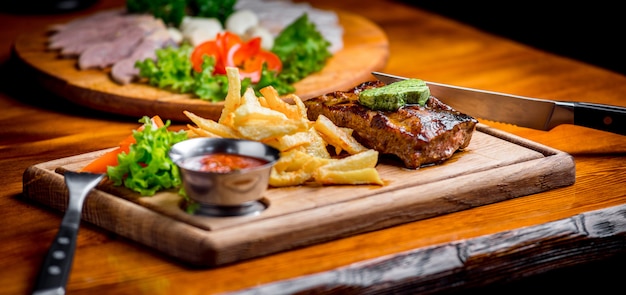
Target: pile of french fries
303,144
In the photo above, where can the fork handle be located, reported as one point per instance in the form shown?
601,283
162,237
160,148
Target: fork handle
55,270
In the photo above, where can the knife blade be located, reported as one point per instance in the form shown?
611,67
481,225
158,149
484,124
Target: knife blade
541,114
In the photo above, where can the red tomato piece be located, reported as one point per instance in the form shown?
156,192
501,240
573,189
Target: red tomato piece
230,51
272,60
99,165
249,57
246,50
209,48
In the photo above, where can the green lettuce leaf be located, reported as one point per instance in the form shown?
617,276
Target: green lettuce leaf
302,49
147,168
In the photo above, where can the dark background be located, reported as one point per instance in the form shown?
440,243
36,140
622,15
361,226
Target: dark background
592,31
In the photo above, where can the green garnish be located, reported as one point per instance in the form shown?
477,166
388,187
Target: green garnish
147,167
172,12
219,9
393,96
302,49
173,70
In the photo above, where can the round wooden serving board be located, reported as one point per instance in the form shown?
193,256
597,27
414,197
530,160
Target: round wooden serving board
365,49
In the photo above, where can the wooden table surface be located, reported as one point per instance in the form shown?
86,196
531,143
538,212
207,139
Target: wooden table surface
477,248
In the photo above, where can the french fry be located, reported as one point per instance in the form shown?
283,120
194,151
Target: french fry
290,141
251,111
263,101
212,127
292,161
317,146
366,159
347,130
260,130
233,97
358,176
337,137
307,141
199,132
283,179
295,168
354,169
276,103
299,105
259,123
303,144
249,98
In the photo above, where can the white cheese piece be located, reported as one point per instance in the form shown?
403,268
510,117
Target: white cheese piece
275,15
267,39
175,34
197,30
240,21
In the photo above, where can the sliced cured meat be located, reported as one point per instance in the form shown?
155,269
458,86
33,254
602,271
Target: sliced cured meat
105,54
102,55
124,71
73,42
89,21
106,38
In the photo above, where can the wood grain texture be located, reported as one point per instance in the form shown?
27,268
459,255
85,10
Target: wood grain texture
37,127
475,262
496,166
365,49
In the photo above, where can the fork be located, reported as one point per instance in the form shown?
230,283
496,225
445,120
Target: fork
55,270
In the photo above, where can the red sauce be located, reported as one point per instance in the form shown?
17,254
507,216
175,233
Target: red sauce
223,163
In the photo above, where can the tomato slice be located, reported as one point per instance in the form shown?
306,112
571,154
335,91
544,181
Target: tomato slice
209,48
99,165
272,60
225,41
230,51
249,58
245,51
218,49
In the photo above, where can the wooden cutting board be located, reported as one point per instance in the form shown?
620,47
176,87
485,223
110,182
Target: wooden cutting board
496,166
365,49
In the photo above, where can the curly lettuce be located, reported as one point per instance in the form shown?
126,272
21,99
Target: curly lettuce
147,167
300,46
173,70
302,49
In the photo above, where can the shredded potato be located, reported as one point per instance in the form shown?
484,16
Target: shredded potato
303,144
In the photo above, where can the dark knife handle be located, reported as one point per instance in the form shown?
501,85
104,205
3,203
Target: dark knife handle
600,116
55,270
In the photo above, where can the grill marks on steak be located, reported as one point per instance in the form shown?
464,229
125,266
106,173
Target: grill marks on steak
417,135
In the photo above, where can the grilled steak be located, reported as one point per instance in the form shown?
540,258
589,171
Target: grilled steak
417,135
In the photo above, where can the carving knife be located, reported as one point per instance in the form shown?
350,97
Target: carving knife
522,111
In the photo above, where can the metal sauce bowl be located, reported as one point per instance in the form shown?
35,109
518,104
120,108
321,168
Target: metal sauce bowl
225,194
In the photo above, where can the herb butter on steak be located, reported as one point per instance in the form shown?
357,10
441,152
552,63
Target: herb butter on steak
418,135
393,96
